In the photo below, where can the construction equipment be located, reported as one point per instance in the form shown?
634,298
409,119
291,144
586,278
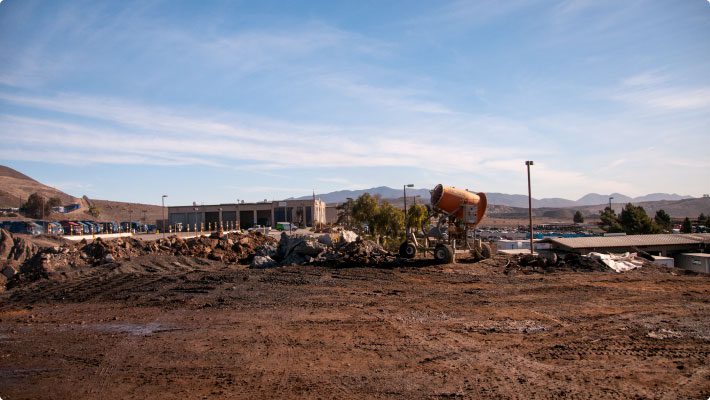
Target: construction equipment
457,213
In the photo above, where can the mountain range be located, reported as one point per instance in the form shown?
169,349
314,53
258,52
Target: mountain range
512,200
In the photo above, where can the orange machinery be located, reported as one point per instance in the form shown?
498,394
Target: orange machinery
456,202
459,212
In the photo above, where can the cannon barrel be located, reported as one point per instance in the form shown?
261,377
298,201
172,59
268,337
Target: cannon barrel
451,200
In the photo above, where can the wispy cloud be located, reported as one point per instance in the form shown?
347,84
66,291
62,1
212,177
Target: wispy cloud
408,100
654,91
116,131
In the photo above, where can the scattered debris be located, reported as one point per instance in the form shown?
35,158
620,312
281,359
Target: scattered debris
528,263
620,262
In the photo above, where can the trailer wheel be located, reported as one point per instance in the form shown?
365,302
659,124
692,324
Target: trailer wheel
407,250
444,254
485,251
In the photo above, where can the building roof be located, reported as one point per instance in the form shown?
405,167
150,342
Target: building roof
703,255
630,240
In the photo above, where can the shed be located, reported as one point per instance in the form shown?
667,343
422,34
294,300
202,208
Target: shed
698,262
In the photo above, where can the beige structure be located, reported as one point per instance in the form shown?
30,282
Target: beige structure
245,215
331,214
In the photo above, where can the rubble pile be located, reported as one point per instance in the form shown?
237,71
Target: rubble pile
340,249
528,263
358,252
13,252
42,262
328,249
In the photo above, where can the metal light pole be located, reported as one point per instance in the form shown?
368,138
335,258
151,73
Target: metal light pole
610,198
528,164
194,216
406,220
220,220
162,200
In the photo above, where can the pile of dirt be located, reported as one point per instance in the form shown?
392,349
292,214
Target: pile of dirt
527,264
14,251
41,263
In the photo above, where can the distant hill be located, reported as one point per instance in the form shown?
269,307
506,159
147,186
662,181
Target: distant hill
16,187
511,200
691,207
382,191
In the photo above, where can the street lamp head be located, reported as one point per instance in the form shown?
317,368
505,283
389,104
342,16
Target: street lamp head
529,163
409,185
165,195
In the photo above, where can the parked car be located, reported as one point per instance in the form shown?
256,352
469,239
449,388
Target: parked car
23,227
71,228
259,228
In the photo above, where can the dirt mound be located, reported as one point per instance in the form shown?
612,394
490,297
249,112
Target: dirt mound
32,263
527,264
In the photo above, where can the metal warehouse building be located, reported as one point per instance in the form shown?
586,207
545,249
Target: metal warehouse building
663,244
246,215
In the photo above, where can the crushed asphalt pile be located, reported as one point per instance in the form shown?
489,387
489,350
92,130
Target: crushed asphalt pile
25,262
527,263
344,249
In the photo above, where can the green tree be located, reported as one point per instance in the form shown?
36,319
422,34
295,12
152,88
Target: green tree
578,217
94,211
418,217
39,207
635,221
345,213
388,221
609,221
663,220
364,210
701,219
687,226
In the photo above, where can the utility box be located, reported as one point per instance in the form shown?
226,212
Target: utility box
470,214
698,262
664,261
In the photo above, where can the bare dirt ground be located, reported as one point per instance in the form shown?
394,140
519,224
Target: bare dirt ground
161,326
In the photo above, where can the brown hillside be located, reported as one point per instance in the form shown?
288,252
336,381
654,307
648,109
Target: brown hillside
16,187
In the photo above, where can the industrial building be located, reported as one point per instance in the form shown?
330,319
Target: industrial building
246,215
661,244
687,251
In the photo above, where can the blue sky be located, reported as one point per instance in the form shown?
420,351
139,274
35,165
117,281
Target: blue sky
221,100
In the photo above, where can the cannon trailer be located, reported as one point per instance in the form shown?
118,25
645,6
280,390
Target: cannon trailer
457,212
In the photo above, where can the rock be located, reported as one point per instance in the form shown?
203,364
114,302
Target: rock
108,258
3,283
6,244
263,262
348,237
9,271
325,239
267,250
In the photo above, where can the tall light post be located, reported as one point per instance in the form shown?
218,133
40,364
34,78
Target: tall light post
528,164
610,199
406,220
220,220
194,216
162,200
